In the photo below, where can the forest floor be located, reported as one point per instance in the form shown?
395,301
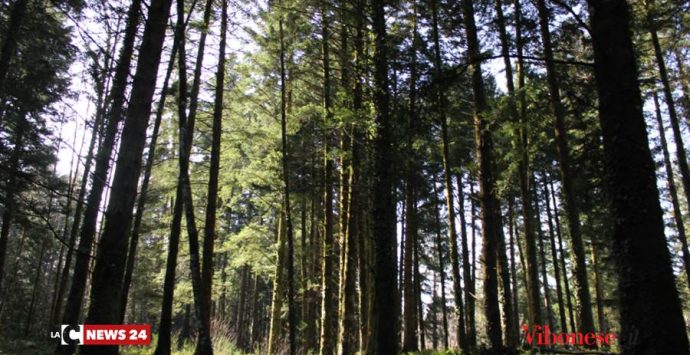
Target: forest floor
222,346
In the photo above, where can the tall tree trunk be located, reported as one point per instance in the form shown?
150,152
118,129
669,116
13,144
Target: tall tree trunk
520,144
441,262
358,201
384,313
554,256
110,260
670,181
36,285
598,291
304,271
544,280
186,122
347,334
212,194
463,340
670,104
418,281
409,289
315,255
513,274
647,286
581,283
542,257
473,221
278,289
74,230
242,309
292,320
143,192
466,267
55,311
561,251
109,268
683,80
165,326
490,208
11,186
329,301
511,325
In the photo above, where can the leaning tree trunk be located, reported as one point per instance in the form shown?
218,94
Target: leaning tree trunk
186,122
112,250
143,191
683,82
74,229
671,182
670,104
164,344
100,177
212,195
646,282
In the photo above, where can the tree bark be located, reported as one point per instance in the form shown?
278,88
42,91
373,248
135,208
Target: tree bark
581,283
110,259
384,313
292,319
513,273
561,251
329,302
532,271
409,289
143,192
466,266
74,230
542,258
278,289
647,286
186,122
490,208
212,194
670,104
554,256
441,262
100,177
672,190
463,340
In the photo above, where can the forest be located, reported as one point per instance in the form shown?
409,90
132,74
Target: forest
369,177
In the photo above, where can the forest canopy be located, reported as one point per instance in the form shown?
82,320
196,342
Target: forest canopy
346,177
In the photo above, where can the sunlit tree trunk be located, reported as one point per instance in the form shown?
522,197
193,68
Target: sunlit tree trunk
490,208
